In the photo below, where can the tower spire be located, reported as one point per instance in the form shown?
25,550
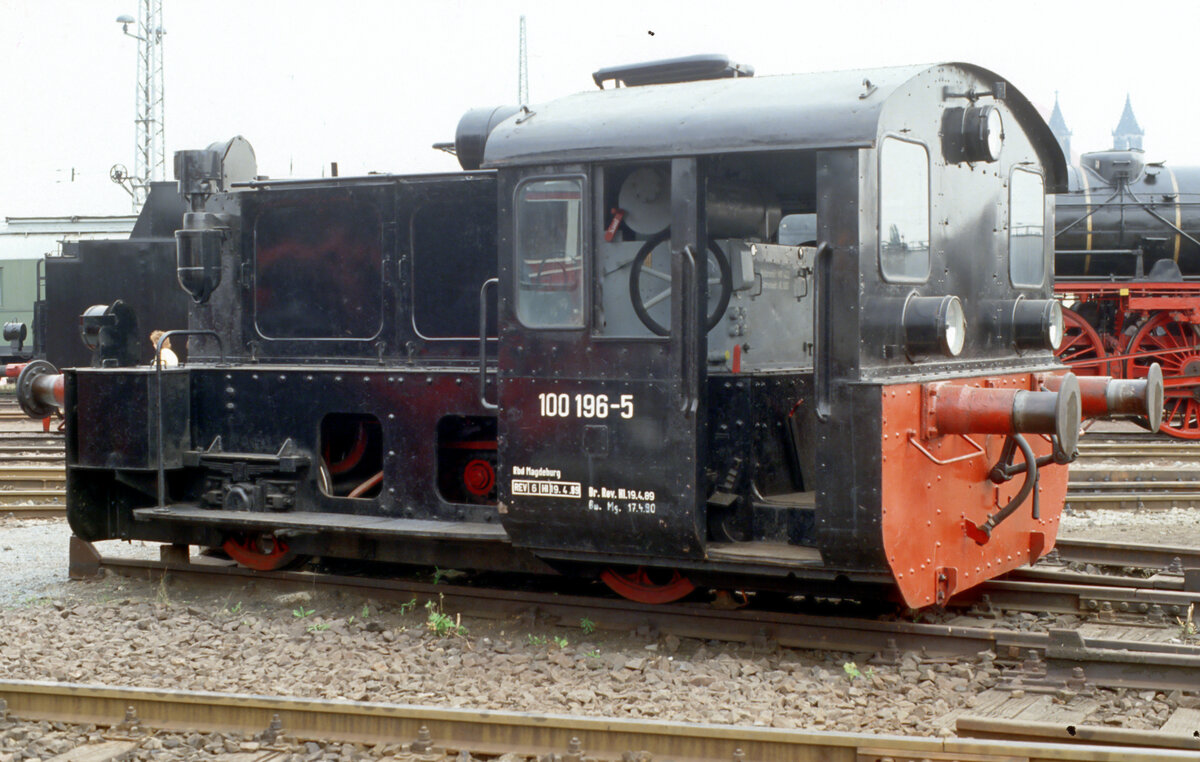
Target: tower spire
1128,133
1058,126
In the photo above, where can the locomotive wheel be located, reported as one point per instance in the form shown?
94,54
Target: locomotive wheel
262,552
1081,344
639,586
1176,347
642,306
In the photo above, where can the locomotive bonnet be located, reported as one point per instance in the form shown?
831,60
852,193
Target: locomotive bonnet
700,328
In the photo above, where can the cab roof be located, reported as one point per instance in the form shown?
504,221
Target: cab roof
783,112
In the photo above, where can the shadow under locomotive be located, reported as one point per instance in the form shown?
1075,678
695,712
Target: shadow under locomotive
740,331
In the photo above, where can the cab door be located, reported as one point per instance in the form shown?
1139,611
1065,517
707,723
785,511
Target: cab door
599,437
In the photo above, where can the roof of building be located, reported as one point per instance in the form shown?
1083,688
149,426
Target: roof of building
33,237
75,224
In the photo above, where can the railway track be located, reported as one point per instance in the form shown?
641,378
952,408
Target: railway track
32,468
1134,470
29,491
434,733
1059,657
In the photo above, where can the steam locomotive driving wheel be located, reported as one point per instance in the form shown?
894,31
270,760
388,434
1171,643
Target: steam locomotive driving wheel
1082,347
1175,346
645,295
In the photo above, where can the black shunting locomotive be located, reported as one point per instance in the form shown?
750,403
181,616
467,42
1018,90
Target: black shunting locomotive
700,328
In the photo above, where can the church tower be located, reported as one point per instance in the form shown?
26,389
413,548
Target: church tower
1128,134
1058,126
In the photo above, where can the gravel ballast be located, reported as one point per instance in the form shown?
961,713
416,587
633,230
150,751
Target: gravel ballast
165,634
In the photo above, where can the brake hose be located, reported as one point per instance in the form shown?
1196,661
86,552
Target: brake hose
1031,476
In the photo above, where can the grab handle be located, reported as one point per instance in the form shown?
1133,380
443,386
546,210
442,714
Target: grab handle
483,400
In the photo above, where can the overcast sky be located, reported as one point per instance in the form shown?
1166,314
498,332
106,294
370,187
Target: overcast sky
372,85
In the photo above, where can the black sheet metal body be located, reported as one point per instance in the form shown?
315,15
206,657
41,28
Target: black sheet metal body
366,316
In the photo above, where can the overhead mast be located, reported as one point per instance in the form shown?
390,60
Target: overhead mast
522,69
150,152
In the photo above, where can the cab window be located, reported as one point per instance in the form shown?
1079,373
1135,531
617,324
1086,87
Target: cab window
903,211
549,253
1026,229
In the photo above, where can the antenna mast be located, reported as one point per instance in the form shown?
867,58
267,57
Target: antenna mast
522,69
150,153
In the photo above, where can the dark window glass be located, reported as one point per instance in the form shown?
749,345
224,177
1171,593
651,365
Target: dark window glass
318,271
903,210
454,252
1026,229
549,253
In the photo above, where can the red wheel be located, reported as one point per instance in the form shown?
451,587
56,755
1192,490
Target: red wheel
1176,347
261,552
639,586
479,477
1082,348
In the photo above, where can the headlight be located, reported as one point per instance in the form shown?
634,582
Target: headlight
934,324
1037,324
974,133
983,132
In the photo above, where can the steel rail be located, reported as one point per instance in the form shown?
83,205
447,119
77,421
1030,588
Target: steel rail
1027,590
11,474
1184,487
1160,666
39,446
10,497
33,511
1132,500
1110,553
435,731
971,726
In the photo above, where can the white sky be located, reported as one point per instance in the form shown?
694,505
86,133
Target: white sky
372,84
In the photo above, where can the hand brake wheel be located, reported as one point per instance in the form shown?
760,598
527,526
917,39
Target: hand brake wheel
642,305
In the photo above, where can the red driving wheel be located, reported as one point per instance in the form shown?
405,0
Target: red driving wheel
261,552
639,585
1176,347
1082,348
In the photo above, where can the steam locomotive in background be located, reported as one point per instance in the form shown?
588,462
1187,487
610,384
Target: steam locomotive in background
1128,264
789,333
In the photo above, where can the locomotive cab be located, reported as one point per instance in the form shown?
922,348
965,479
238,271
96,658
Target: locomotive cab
787,332
722,359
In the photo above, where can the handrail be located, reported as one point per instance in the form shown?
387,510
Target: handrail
162,474
823,378
483,400
957,459
687,314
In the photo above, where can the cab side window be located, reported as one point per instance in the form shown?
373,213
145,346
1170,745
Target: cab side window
903,211
1026,228
549,253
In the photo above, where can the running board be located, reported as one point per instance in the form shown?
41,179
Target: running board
765,553
327,522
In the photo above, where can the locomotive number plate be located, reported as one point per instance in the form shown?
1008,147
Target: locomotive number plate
563,405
